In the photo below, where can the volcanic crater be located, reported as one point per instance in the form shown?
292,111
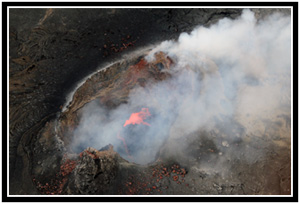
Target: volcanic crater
110,88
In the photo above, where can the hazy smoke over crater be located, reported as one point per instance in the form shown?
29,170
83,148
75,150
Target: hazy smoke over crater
236,70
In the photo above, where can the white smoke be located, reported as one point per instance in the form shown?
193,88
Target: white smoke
253,61
237,70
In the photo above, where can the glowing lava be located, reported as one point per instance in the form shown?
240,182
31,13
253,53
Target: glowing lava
138,118
125,145
135,118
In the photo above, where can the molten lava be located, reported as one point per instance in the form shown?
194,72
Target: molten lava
124,143
138,118
135,118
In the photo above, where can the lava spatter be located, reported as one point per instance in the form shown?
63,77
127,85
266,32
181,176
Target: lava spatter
138,118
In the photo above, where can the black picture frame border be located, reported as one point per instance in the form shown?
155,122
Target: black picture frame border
293,198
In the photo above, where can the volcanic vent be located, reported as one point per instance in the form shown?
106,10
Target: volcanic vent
100,113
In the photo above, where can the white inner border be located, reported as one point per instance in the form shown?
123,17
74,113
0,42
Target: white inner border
107,66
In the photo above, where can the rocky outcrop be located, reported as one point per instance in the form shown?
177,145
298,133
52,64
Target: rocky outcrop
96,171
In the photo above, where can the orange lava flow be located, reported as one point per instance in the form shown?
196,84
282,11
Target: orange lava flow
124,143
138,118
135,118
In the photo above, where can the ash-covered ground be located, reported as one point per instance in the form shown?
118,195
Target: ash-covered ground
218,97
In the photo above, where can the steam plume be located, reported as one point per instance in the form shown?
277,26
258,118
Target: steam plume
236,72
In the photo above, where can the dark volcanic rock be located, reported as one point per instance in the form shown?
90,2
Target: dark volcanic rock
96,171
